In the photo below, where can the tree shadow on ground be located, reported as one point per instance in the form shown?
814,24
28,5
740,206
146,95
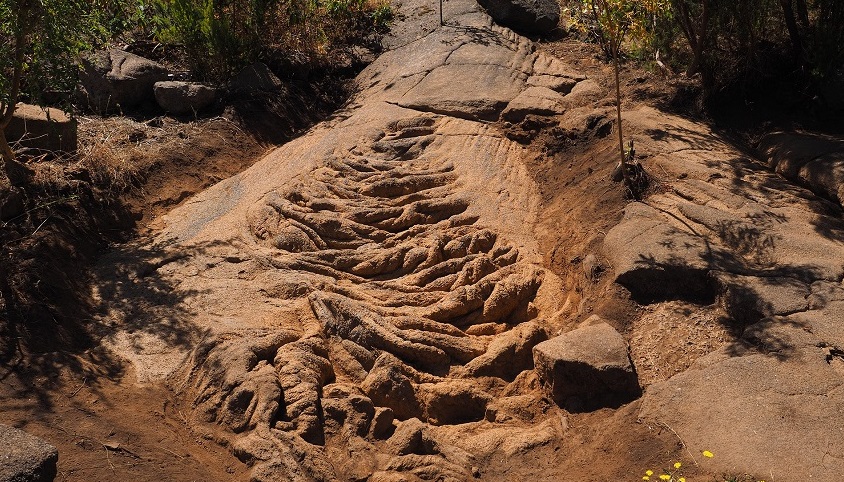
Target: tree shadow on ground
124,295
740,268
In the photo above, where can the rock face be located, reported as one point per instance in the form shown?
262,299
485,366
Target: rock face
177,97
25,458
376,275
816,161
768,253
369,301
116,79
587,368
42,128
529,17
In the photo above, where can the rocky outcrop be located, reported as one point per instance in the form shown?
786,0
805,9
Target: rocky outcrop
364,302
369,287
42,129
115,79
25,458
813,160
587,368
769,253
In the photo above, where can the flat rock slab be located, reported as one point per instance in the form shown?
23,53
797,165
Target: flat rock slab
770,403
25,458
655,258
534,100
587,368
177,97
42,128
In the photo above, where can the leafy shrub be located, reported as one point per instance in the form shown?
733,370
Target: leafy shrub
222,36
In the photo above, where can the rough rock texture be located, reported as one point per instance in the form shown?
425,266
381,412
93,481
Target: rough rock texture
179,97
25,458
362,291
529,17
534,100
728,230
42,128
814,160
587,368
363,303
115,79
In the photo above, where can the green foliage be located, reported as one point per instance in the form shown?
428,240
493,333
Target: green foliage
219,37
41,39
117,17
612,22
222,36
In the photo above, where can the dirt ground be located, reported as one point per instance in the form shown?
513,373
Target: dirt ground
108,428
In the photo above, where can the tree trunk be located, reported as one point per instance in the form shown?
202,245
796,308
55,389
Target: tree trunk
624,172
793,31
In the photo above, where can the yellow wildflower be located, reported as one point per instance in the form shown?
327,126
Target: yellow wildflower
677,465
649,472
681,479
664,477
708,454
645,477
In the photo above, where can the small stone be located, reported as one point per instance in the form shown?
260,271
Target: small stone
592,267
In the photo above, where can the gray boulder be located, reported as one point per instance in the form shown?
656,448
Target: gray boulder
587,368
530,17
25,458
177,97
42,128
117,79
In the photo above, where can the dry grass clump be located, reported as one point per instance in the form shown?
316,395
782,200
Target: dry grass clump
117,152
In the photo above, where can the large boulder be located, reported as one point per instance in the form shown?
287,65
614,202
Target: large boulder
530,17
177,97
116,79
587,368
814,160
25,458
42,128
